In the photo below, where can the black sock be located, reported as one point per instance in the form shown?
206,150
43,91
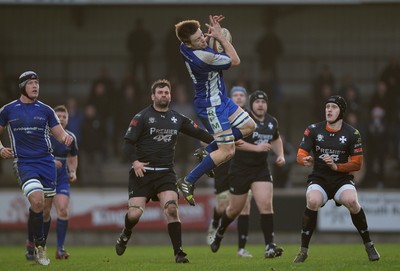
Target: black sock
30,230
267,227
175,234
309,223
36,220
225,221
46,228
129,225
243,230
360,222
216,218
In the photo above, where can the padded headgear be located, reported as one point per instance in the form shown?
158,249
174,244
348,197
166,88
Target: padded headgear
236,89
339,100
258,94
25,77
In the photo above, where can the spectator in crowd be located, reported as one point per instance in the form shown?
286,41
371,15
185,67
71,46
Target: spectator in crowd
377,147
269,49
322,88
128,104
93,147
174,67
75,117
350,92
139,45
182,104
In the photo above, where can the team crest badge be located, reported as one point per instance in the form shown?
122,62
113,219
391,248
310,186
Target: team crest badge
320,137
343,139
152,120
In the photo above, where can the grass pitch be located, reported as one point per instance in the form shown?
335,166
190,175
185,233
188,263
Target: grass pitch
159,258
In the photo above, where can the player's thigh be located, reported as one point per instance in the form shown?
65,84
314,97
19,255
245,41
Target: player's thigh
236,204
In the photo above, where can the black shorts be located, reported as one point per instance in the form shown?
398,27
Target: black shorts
221,179
241,180
330,187
152,183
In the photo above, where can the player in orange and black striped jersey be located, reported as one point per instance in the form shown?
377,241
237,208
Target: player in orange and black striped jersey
336,150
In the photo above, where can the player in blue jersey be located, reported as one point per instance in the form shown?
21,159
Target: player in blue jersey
29,123
224,119
334,149
66,163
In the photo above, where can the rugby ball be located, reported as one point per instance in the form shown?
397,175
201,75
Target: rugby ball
215,45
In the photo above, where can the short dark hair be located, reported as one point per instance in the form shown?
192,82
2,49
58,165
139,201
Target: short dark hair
185,29
160,84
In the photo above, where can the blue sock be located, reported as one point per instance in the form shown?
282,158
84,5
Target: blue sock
62,226
46,228
212,147
205,166
237,134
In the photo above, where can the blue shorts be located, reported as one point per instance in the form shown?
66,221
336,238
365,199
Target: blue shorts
63,187
216,118
43,170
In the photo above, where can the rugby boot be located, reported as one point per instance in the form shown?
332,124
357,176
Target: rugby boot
30,251
41,256
180,257
62,254
187,190
373,254
272,251
301,256
123,239
200,154
216,243
244,253
211,233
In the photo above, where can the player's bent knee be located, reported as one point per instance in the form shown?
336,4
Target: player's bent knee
134,211
171,208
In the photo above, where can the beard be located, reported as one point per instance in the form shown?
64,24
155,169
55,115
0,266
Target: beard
162,103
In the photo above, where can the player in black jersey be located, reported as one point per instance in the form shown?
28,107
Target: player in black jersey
150,146
221,189
249,170
336,152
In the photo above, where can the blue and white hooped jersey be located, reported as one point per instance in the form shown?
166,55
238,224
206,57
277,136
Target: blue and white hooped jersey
205,68
28,127
61,152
